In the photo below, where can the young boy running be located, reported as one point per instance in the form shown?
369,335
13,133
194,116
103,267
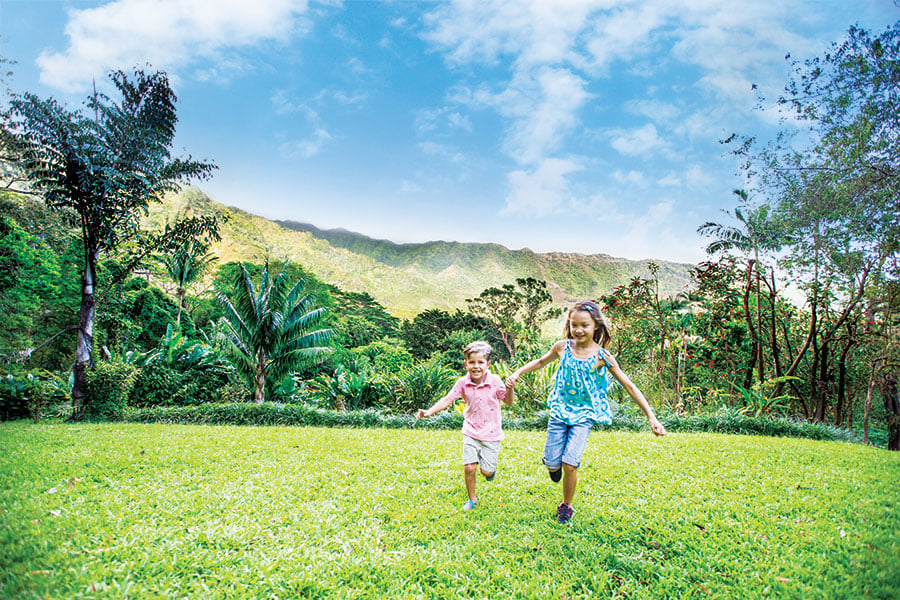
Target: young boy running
482,392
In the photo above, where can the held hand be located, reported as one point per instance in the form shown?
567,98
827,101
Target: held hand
656,427
511,380
420,413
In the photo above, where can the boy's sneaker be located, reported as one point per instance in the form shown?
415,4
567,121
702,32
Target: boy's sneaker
470,504
564,513
556,475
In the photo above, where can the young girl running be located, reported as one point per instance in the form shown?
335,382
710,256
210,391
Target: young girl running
578,398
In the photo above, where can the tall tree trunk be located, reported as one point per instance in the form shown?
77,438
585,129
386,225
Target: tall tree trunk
888,388
868,408
776,354
259,385
842,384
814,382
85,343
180,304
760,363
754,350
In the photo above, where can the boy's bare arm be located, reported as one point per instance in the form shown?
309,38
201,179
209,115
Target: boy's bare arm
437,407
510,396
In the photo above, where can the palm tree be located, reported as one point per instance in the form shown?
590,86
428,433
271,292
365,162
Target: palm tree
271,332
755,233
185,266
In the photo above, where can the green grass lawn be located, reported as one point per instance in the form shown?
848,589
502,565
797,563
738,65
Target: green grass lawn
162,511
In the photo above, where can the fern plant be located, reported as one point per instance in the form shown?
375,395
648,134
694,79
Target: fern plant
418,386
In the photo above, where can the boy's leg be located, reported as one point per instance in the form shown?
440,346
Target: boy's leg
470,465
488,458
470,471
554,447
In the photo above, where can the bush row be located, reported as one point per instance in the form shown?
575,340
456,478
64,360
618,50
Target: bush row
271,413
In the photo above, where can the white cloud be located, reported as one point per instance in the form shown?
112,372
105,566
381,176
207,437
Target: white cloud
543,191
429,120
168,34
311,144
459,121
632,177
442,150
306,147
555,50
545,114
659,213
657,110
636,142
697,177
533,32
670,180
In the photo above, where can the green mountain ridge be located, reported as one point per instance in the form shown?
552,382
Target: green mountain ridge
410,278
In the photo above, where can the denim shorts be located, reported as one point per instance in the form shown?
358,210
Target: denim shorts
565,443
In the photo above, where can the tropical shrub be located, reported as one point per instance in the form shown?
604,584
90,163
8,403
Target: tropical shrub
109,384
385,357
419,386
179,372
271,332
532,389
346,389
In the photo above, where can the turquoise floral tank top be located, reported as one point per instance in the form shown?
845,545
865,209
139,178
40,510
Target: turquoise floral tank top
579,393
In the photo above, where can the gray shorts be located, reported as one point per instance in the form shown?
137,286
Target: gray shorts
484,453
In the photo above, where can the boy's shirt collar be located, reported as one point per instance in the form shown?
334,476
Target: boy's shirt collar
483,381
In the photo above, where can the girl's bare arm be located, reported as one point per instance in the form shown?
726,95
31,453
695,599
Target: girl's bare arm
553,354
655,426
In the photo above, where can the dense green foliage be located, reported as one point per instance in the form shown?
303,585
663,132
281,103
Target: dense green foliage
271,330
155,511
185,266
109,385
106,166
731,341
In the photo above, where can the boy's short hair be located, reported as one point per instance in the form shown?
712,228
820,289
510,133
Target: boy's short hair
478,348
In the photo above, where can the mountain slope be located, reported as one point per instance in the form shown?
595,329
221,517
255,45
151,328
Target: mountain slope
409,278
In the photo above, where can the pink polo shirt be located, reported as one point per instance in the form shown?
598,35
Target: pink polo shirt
482,413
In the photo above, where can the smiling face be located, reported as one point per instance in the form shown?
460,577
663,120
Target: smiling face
582,327
477,365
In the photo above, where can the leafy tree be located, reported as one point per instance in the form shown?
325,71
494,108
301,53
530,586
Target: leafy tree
271,331
29,272
836,189
360,319
106,166
431,331
755,233
186,266
515,314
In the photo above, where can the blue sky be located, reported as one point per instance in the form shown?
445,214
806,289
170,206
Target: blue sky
585,126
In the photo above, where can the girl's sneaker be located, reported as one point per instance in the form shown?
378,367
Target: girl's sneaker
470,504
564,513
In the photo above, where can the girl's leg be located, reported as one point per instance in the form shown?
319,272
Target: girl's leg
571,460
570,480
470,471
554,447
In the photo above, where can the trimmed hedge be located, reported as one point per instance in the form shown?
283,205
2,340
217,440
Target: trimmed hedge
273,413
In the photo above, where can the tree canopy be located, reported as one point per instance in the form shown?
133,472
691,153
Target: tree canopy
106,165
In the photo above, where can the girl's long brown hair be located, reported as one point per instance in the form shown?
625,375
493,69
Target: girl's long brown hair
601,330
